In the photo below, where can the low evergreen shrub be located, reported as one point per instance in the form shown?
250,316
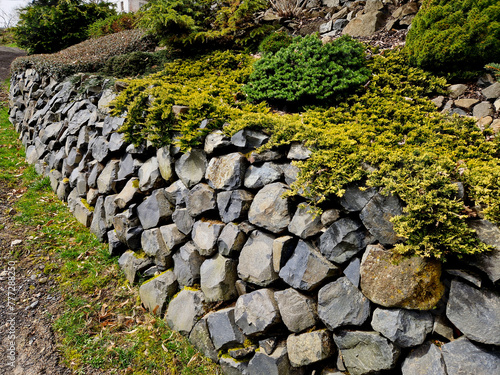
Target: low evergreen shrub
308,71
455,36
113,24
205,24
136,63
275,41
495,69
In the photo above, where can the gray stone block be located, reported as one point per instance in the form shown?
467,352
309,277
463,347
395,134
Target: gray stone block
256,177
310,347
187,263
257,313
340,303
149,175
183,220
223,330
205,235
269,209
200,200
234,205
256,259
304,223
191,167
184,310
276,363
218,278
464,357
307,268
155,292
200,338
424,360
231,240
226,172
155,210
298,312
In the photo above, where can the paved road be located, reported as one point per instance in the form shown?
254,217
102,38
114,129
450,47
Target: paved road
7,55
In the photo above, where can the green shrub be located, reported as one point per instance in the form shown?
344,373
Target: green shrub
88,56
455,36
275,41
203,23
136,63
495,69
47,26
113,24
309,71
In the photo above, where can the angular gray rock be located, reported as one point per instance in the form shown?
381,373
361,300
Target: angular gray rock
149,175
200,338
129,166
184,310
283,248
309,347
165,163
152,242
391,281
298,151
256,259
215,141
106,179
110,208
464,357
340,303
355,199
187,263
343,239
376,215
99,226
455,91
123,222
115,246
218,277
205,235
183,220
405,328
231,366
365,24
191,167
298,312
269,209
247,138
155,210
128,194
275,363
234,205
223,330
424,360
257,313
483,109
305,223
83,212
200,199
231,240
172,237
155,292
226,172
257,177
366,352
475,312
177,193
132,264
492,91
352,271
489,262
307,268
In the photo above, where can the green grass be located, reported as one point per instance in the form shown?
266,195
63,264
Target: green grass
102,326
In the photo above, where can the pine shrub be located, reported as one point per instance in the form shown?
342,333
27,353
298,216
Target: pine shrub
455,36
308,71
275,41
113,24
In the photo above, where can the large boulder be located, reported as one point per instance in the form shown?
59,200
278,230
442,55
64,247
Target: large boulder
393,281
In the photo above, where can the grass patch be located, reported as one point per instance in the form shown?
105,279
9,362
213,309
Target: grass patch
102,327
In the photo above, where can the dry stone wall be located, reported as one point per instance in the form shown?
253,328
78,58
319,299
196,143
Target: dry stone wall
254,279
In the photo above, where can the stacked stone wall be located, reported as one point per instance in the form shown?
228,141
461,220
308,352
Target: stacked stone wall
255,280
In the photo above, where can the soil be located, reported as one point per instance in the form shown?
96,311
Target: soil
28,308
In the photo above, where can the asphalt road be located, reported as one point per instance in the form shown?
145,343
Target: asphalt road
7,55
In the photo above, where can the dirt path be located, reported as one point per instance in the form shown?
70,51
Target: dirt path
29,301
7,55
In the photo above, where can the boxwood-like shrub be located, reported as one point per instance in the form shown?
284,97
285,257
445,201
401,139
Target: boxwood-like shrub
453,36
308,71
